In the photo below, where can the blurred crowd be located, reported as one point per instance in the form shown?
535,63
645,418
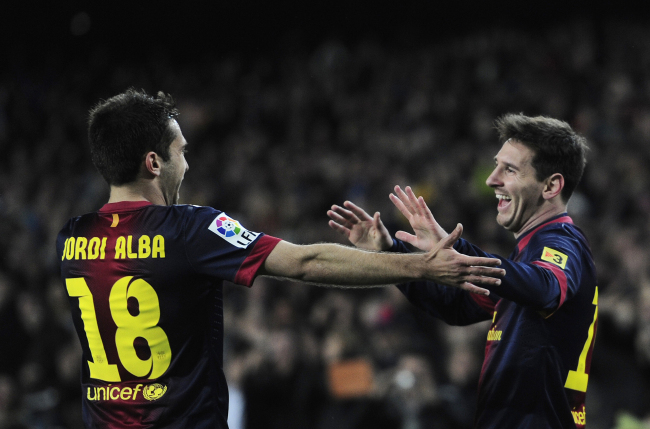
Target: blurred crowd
275,139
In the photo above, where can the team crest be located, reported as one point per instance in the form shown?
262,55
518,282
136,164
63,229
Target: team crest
554,257
232,231
154,391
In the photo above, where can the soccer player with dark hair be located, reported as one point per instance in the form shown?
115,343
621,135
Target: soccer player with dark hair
144,275
545,312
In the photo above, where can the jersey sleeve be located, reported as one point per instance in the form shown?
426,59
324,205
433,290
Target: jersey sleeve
548,275
218,246
452,305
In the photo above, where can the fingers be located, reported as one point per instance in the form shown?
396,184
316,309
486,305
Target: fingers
400,206
469,287
339,228
487,262
413,200
486,271
376,221
483,281
408,198
449,240
341,220
357,211
406,237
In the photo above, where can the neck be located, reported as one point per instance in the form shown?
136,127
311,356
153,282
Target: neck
140,190
541,216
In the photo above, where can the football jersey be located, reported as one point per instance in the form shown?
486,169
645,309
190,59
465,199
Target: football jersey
145,289
544,320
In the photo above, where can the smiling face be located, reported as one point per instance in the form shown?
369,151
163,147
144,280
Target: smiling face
174,169
517,189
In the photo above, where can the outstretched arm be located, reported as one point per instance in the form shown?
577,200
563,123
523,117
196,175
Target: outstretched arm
340,265
427,231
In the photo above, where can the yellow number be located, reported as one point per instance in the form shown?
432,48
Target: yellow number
99,368
143,325
577,380
129,327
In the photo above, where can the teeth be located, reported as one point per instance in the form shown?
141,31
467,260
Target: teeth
503,197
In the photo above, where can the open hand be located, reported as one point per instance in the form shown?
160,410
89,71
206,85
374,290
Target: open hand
362,230
427,231
454,269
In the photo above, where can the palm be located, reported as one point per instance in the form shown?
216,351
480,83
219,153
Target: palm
427,231
359,227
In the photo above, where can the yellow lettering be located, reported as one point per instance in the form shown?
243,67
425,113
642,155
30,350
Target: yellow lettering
102,250
93,248
129,246
494,335
137,389
65,247
158,247
119,248
126,393
94,398
69,253
144,247
80,248
100,390
580,417
118,393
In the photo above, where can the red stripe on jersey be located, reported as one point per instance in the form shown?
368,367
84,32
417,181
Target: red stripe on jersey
559,275
524,241
484,302
248,269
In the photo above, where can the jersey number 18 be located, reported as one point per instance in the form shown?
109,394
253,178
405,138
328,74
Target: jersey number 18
129,327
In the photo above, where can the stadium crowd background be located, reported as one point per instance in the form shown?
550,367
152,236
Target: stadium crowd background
279,134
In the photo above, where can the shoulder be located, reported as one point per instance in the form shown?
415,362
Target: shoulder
559,243
560,233
193,213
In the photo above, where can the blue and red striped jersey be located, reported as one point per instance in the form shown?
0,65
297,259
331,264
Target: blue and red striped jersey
145,287
544,320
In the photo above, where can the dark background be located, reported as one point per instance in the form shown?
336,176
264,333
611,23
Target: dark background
289,108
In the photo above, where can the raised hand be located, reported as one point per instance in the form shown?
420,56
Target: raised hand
457,270
427,231
362,230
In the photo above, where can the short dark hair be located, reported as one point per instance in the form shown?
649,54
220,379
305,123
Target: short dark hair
122,129
557,148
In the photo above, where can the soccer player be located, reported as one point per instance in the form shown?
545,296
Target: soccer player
144,275
544,314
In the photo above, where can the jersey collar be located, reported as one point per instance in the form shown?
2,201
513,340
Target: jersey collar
523,240
122,206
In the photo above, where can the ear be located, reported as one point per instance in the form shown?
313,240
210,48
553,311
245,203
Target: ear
153,163
553,186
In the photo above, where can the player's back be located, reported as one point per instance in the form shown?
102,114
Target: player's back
145,292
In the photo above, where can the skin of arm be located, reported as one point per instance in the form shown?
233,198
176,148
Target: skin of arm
341,265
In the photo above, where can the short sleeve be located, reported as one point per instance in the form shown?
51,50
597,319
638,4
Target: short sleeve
220,247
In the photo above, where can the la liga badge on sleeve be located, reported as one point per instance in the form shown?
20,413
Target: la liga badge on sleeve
231,230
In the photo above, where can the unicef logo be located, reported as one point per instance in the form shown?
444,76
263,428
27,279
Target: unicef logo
154,391
227,227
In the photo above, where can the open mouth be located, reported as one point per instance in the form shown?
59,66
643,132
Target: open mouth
504,201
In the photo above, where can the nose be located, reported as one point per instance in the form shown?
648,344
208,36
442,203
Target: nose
493,180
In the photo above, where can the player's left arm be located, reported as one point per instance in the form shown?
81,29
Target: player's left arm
547,280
